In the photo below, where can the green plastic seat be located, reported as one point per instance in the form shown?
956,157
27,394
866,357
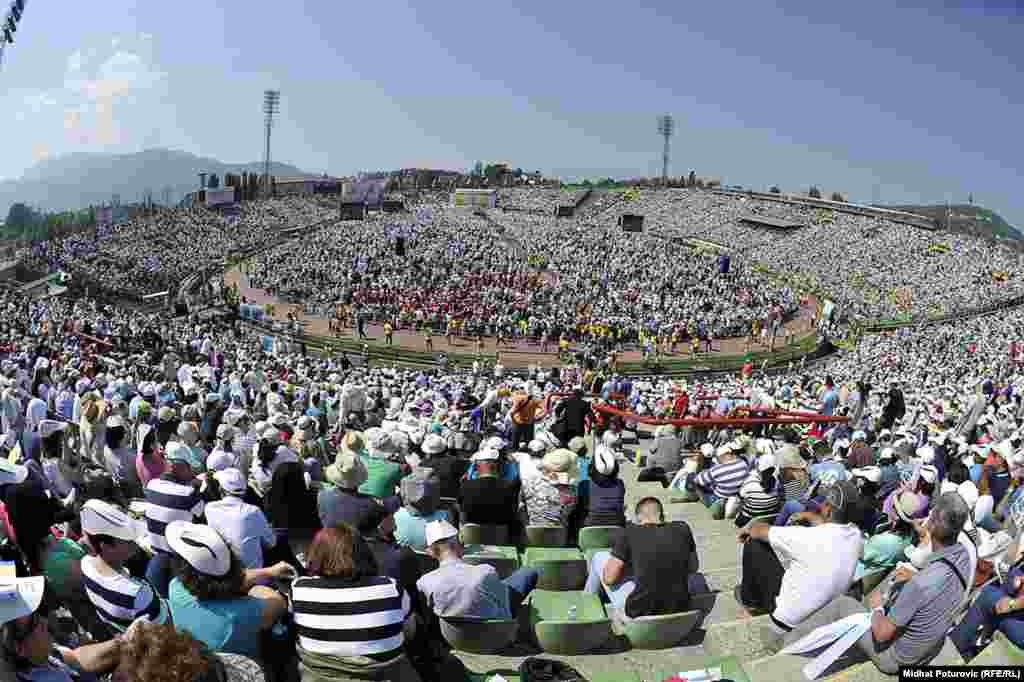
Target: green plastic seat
660,632
545,536
483,534
556,633
477,636
561,568
598,537
505,560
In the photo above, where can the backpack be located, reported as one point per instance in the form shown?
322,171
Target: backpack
535,669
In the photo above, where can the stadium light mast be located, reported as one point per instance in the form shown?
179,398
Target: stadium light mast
271,102
666,127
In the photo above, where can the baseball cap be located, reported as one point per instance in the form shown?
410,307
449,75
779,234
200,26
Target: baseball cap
231,480
440,530
20,597
765,462
841,497
486,455
201,546
103,518
869,473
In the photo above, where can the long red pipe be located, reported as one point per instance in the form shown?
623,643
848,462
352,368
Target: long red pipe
781,416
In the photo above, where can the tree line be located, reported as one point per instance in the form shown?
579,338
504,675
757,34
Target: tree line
27,224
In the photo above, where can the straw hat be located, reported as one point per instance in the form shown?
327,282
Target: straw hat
347,471
561,466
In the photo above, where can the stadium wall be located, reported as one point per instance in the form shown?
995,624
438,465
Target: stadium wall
902,217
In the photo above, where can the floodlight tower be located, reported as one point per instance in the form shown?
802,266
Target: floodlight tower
271,101
666,127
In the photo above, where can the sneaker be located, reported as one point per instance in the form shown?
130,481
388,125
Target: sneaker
737,593
1002,570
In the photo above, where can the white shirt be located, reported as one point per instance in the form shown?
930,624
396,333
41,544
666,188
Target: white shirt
243,526
528,466
220,460
819,564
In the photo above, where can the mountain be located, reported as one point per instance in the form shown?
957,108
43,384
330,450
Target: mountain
969,219
82,179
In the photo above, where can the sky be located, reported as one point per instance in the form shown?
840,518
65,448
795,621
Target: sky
909,104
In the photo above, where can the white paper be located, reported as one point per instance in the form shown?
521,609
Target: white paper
815,668
826,634
841,635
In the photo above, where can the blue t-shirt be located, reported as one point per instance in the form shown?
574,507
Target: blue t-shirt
828,402
230,626
411,529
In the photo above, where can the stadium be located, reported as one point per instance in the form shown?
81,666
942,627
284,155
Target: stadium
719,332
491,426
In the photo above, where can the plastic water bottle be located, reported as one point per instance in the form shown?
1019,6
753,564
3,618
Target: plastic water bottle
572,613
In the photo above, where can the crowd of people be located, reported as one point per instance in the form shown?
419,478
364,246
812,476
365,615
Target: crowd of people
540,200
154,253
178,504
872,268
583,283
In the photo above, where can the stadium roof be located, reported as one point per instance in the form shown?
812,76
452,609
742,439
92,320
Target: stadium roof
771,222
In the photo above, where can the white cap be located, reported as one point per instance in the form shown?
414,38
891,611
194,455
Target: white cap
440,530
765,462
604,460
201,546
20,597
486,454
103,518
926,453
969,493
870,473
231,480
929,473
860,435
707,449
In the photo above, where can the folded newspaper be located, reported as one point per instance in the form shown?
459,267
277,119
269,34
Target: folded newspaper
838,637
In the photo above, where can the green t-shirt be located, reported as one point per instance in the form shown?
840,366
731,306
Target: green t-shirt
382,478
58,566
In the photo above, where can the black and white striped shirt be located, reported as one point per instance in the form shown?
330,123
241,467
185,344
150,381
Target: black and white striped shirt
345,618
119,598
168,501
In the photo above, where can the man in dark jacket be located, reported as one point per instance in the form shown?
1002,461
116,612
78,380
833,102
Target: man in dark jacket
488,498
571,414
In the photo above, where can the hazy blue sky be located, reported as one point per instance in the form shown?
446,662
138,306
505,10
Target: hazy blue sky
881,103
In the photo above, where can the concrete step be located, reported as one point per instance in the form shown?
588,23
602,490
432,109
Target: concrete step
740,637
787,667
850,667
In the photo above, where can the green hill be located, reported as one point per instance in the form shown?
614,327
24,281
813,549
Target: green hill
969,219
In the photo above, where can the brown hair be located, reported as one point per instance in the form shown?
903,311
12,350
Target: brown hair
208,587
340,552
160,653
